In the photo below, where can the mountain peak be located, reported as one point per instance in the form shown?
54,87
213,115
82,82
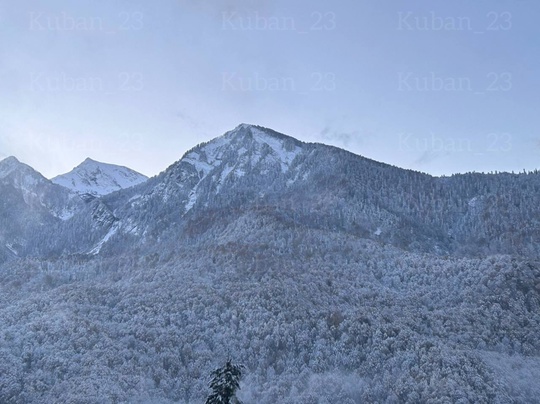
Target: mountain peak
251,127
10,164
9,160
241,130
247,145
245,150
98,179
255,130
244,126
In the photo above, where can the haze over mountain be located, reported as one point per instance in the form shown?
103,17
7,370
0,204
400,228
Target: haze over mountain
30,206
329,275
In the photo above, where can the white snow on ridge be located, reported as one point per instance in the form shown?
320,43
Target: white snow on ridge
284,156
112,231
98,179
215,148
195,160
249,153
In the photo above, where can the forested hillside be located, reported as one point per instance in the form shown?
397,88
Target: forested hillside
331,277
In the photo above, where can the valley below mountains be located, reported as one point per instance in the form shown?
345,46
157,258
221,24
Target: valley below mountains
332,277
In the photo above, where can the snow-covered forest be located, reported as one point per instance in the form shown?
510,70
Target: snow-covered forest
330,277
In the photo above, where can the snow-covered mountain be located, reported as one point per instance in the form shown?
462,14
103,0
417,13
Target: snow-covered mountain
37,192
255,169
8,165
252,168
97,179
19,174
332,277
30,206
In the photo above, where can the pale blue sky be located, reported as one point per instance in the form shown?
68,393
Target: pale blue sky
437,86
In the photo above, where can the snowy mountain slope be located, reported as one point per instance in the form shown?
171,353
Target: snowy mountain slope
30,205
37,191
98,179
332,277
310,185
32,208
314,185
8,165
210,176
246,150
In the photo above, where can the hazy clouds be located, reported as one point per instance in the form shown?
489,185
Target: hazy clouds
139,83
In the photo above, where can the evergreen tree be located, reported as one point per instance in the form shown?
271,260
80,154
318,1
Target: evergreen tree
225,381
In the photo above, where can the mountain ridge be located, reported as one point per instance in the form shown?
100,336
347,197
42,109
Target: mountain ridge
97,179
318,186
329,276
387,202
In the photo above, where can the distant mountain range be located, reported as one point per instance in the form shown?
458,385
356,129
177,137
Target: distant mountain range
34,206
305,184
332,277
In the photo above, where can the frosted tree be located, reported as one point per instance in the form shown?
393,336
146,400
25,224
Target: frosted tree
225,382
